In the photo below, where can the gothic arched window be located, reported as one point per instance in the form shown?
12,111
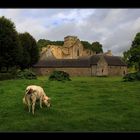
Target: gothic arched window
77,52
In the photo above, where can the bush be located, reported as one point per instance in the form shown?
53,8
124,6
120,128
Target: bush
6,76
132,77
25,74
59,76
138,76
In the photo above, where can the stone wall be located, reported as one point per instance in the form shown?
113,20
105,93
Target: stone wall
51,51
77,49
91,71
117,70
94,70
69,41
71,71
87,52
102,67
72,49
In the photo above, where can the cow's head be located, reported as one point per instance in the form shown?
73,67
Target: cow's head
47,101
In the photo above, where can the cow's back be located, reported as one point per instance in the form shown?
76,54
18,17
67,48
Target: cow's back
38,90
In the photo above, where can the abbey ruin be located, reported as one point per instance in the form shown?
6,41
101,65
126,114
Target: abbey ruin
71,49
74,59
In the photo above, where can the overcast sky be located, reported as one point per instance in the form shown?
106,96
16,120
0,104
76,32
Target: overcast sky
113,28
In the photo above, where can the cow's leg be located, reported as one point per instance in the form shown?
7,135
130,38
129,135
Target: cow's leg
33,98
41,102
29,104
33,108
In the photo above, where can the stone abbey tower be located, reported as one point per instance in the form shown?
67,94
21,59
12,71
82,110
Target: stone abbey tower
71,49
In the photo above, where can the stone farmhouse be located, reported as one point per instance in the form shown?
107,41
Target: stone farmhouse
77,61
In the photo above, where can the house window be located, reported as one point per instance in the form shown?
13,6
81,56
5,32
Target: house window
102,70
77,52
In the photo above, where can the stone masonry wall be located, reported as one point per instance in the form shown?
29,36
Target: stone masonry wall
71,71
117,70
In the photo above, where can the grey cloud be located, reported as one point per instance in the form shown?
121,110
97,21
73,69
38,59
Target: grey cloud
113,28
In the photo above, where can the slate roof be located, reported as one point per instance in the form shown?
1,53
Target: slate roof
111,60
81,62
63,63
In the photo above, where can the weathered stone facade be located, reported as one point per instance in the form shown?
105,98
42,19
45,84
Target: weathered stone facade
71,71
71,49
96,65
77,61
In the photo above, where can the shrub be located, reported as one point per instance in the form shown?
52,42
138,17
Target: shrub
6,76
59,76
138,76
132,77
25,74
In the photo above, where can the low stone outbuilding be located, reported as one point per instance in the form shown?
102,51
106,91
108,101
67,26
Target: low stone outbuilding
96,65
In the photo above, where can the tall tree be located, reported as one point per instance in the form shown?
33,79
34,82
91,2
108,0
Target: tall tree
86,45
43,43
132,56
30,50
10,49
97,47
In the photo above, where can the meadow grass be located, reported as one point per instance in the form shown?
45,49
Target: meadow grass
81,105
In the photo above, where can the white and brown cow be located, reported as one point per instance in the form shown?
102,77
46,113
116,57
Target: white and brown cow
34,93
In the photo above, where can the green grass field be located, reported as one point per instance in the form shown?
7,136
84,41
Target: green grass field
83,104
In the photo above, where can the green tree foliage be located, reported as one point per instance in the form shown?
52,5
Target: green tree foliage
86,45
97,47
10,49
126,57
132,56
132,77
43,43
30,50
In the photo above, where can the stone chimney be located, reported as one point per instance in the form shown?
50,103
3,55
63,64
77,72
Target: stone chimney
109,53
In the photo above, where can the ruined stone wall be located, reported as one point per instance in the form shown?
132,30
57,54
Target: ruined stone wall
71,71
87,52
69,41
51,51
56,51
67,53
72,49
77,49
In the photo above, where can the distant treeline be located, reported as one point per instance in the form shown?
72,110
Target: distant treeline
95,46
43,43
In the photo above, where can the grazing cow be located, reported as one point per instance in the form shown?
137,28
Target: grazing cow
34,93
